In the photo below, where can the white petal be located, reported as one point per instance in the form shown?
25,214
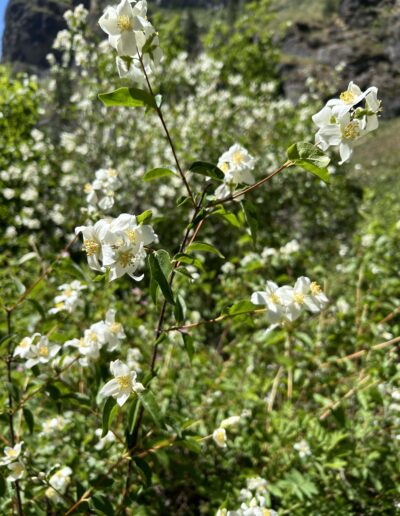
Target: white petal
108,22
259,298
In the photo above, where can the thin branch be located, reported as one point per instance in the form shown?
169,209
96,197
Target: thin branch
167,134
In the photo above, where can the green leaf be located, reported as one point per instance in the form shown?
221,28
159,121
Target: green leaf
109,411
160,263
144,470
3,486
250,213
151,406
156,173
180,309
144,217
128,97
188,345
310,158
205,248
28,416
133,414
102,504
207,169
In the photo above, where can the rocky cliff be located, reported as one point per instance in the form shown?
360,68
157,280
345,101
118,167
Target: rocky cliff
363,39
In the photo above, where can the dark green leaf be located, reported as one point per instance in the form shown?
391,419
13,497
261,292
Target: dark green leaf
156,173
109,411
151,406
128,97
143,469
180,309
133,414
158,264
207,169
28,416
250,213
310,158
189,346
102,504
3,486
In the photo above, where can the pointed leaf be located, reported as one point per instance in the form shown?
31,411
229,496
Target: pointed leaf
128,97
109,411
156,173
207,169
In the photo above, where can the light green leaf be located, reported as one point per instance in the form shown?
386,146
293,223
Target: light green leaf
160,264
156,173
250,213
150,404
128,97
204,248
310,158
144,217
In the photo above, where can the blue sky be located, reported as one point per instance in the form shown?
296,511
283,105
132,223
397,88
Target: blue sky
3,4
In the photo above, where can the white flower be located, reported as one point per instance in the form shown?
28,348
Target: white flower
103,441
303,449
113,331
219,436
230,421
237,165
17,471
271,298
305,294
59,481
124,25
52,424
69,299
93,237
11,454
24,347
352,97
123,384
41,352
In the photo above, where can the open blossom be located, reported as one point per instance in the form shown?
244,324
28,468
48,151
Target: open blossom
303,449
40,352
11,454
237,165
59,482
17,471
286,304
101,192
344,121
118,243
69,299
219,436
123,384
24,347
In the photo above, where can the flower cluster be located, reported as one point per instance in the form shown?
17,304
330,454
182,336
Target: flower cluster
123,383
69,299
11,459
133,36
103,333
237,165
286,304
343,121
101,192
253,500
303,449
36,350
119,244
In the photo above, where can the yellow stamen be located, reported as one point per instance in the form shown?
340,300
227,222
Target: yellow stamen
88,188
274,298
224,167
123,381
315,288
299,298
24,343
347,97
91,247
351,131
44,351
237,157
125,258
111,172
131,234
124,23
115,327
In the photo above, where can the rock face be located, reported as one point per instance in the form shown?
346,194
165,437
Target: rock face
30,29
364,39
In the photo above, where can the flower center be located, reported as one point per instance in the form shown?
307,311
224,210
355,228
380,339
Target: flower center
111,172
237,158
315,288
125,258
351,131
124,23
274,298
44,351
24,343
12,453
91,247
347,97
68,292
131,234
60,306
115,327
224,167
298,298
88,188
123,381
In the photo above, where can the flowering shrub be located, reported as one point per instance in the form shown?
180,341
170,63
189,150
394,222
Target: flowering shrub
221,364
